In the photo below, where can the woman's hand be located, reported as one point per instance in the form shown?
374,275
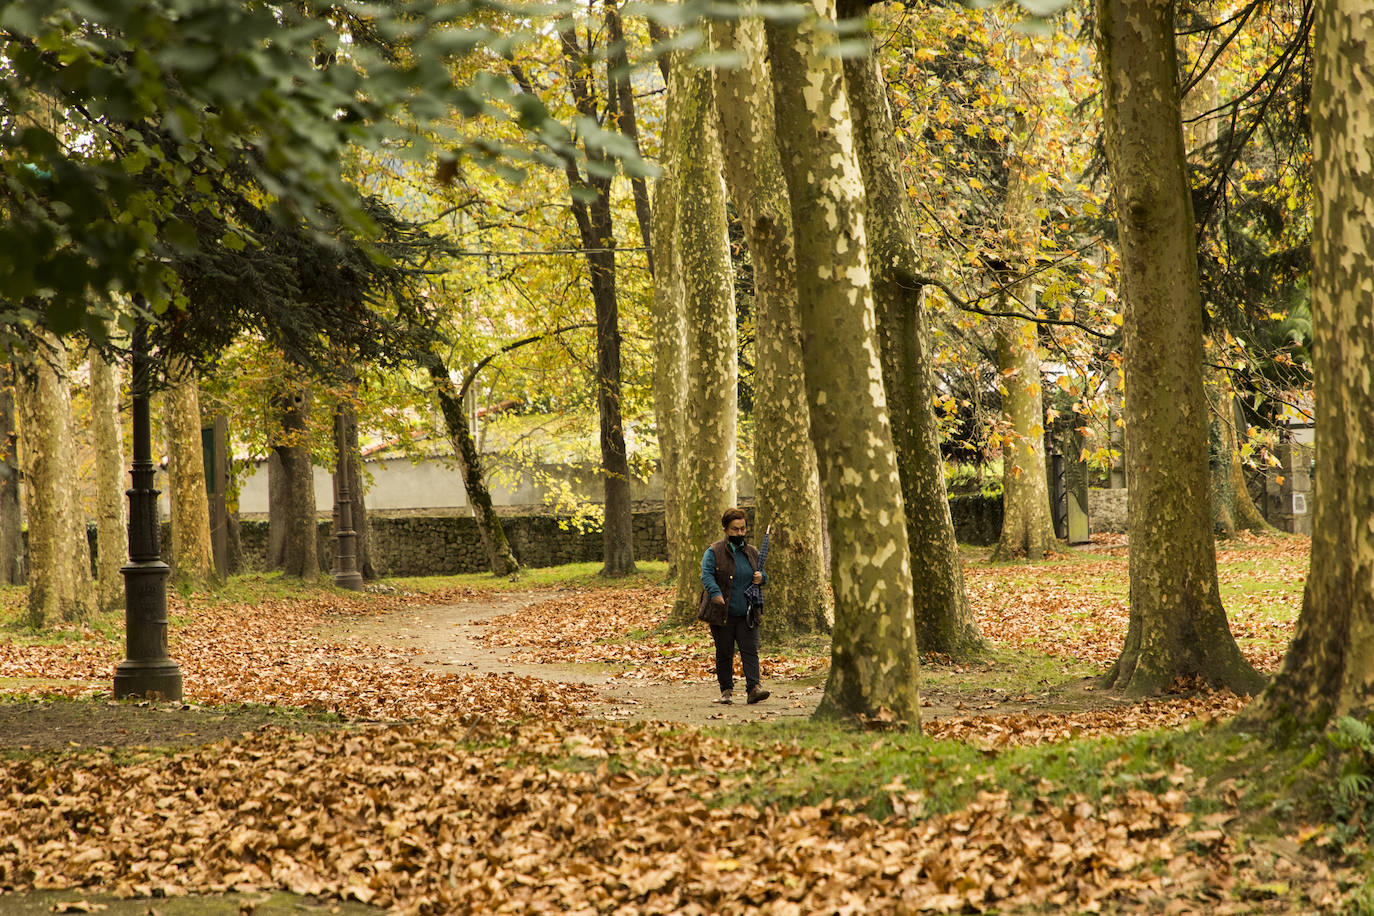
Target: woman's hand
758,577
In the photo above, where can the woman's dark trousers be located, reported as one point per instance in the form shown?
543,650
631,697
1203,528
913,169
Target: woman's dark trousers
736,632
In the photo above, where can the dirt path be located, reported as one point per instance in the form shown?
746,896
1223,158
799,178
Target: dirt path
448,637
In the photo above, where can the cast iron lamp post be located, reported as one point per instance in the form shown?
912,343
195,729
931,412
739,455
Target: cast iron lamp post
346,573
147,671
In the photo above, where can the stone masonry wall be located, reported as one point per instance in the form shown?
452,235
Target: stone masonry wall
435,545
441,545
1107,509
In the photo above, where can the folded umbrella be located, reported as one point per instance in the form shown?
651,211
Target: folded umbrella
753,593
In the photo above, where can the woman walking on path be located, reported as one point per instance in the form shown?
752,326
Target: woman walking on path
726,609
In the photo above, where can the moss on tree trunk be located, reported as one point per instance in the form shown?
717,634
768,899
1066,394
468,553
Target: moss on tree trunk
500,558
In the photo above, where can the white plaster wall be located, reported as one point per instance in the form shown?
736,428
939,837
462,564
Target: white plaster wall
435,484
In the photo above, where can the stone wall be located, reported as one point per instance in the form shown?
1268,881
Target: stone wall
1107,509
442,545
439,545
1287,503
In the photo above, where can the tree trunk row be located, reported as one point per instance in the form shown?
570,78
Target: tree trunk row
707,460
787,483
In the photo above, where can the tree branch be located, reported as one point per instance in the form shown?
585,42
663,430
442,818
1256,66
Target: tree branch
471,374
965,305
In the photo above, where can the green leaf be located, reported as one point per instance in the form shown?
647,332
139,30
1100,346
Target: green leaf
852,47
723,60
135,162
1043,8
21,17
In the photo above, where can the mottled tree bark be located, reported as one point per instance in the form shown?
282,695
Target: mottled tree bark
874,669
11,524
111,480
293,539
192,558
786,481
944,620
1177,626
1329,669
499,555
60,587
1027,529
669,322
707,460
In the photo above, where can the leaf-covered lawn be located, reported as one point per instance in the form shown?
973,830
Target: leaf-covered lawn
434,792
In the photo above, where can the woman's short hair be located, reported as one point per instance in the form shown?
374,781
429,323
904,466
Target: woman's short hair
732,513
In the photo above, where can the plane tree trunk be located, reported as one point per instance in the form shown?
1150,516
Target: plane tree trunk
60,586
293,539
111,480
357,487
1329,669
1177,627
707,460
873,669
944,620
192,558
786,480
11,522
1027,530
669,323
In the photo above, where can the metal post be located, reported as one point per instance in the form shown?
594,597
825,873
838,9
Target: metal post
215,445
346,573
147,671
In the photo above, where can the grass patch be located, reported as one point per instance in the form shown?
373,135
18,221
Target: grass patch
259,588
1022,671
836,761
41,725
1265,794
649,574
14,625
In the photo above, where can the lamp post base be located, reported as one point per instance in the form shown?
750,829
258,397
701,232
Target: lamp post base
351,580
159,679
